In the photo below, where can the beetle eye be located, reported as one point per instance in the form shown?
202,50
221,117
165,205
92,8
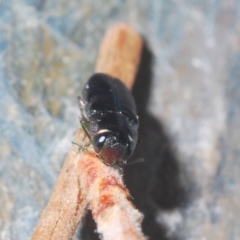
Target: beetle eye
98,142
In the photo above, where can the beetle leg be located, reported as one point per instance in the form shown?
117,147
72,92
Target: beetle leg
84,147
81,102
85,126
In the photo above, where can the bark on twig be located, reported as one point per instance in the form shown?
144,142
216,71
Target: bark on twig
114,214
84,180
67,204
120,53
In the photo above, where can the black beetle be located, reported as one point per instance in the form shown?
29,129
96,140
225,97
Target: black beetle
109,118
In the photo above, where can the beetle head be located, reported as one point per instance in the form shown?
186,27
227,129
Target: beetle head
112,147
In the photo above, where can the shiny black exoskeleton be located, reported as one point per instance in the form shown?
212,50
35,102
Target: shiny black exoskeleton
109,118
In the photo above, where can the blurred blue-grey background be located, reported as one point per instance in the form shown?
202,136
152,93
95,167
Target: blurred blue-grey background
187,92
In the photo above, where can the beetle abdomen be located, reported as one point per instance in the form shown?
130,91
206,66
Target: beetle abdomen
103,94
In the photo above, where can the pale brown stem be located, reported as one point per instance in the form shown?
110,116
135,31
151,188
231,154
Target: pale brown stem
114,214
67,204
84,180
120,53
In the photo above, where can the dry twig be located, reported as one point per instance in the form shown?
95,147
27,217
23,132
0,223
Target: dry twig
84,180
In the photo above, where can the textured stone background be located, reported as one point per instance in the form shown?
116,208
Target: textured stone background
187,92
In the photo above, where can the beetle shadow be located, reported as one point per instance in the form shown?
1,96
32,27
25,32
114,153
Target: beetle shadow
155,184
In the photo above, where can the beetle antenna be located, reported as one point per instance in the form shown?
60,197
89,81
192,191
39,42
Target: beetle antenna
138,160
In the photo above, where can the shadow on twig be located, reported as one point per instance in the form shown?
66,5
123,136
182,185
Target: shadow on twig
155,184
